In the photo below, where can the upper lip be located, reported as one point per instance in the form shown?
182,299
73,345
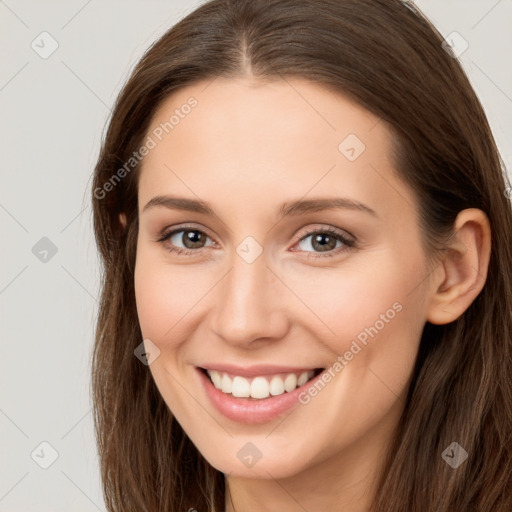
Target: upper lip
256,370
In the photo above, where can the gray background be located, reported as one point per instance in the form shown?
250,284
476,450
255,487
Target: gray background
53,116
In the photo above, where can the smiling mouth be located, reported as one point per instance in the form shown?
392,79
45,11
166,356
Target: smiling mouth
260,387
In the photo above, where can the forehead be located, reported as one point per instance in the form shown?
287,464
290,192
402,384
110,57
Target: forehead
283,110
243,138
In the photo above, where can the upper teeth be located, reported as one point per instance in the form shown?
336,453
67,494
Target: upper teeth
258,387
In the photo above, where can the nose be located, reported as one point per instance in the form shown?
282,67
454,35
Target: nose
250,304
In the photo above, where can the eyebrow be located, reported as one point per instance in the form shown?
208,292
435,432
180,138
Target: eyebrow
297,207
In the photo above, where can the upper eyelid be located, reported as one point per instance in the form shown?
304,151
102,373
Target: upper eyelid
167,232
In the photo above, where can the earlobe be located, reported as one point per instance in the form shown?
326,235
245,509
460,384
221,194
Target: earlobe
465,265
122,220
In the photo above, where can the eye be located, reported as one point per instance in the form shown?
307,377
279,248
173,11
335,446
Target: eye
325,241
191,238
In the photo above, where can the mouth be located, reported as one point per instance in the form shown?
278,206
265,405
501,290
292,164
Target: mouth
259,387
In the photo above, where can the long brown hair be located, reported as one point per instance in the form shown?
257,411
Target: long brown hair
389,58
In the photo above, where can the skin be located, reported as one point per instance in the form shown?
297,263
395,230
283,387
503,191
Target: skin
247,147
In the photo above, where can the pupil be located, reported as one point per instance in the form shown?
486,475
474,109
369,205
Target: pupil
191,235
326,246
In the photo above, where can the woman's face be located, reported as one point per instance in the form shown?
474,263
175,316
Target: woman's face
266,289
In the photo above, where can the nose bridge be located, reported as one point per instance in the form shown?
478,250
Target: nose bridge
247,305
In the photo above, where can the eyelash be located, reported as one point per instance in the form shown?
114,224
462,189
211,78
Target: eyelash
349,244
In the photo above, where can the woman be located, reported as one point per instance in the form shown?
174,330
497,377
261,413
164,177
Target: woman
306,305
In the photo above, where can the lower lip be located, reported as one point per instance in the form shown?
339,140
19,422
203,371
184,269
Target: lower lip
244,410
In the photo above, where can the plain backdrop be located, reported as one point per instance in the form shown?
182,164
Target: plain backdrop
53,114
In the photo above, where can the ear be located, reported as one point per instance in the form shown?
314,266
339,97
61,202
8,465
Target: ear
122,220
463,269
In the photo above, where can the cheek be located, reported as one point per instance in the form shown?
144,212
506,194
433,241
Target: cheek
360,302
162,305
155,305
165,294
